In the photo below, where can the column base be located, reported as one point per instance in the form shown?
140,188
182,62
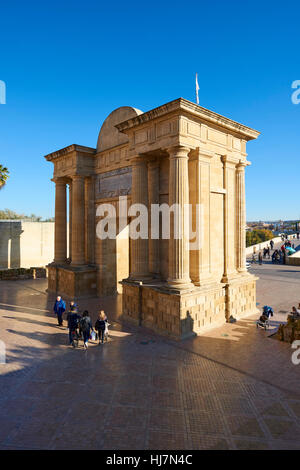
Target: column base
227,278
180,284
242,270
140,277
78,264
204,281
60,261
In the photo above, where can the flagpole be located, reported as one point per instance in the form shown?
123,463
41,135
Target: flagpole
197,88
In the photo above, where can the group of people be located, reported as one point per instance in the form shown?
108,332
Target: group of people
268,312
80,326
278,255
296,312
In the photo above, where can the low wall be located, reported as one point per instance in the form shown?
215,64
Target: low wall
24,244
262,245
293,260
22,273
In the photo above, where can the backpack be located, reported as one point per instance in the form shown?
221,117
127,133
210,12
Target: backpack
85,323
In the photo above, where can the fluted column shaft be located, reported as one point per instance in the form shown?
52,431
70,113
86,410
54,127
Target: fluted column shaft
78,222
70,220
240,217
90,219
179,264
199,178
60,243
139,195
153,196
230,269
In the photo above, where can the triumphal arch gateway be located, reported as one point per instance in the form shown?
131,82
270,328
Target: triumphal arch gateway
179,153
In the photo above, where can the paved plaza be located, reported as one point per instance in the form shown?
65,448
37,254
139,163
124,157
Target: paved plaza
233,388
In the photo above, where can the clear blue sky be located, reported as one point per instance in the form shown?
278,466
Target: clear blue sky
68,64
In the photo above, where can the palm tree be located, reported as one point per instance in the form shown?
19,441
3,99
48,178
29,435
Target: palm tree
4,175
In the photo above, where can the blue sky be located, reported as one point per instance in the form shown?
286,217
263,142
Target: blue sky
67,65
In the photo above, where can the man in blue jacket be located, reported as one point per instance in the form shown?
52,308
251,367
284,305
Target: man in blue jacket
59,308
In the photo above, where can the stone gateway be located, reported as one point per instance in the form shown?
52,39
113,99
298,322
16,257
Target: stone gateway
179,153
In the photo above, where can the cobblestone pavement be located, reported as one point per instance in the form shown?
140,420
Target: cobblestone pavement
233,388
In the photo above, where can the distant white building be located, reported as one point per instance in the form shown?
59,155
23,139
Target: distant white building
26,244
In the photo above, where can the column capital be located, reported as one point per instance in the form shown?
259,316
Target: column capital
59,181
178,151
77,177
137,160
201,154
241,165
229,160
153,163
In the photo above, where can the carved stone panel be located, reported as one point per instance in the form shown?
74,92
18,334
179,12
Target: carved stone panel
114,183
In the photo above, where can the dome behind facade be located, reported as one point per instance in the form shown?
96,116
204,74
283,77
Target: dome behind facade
109,136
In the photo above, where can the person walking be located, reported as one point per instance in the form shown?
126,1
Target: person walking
86,328
271,244
73,319
73,305
59,309
100,326
260,258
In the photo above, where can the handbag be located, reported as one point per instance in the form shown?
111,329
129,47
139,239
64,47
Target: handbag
93,336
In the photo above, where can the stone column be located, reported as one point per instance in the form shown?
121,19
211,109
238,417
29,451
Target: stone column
90,220
179,265
60,242
199,178
229,219
78,222
153,196
139,195
240,217
70,220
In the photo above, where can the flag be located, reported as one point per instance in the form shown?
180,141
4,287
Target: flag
197,89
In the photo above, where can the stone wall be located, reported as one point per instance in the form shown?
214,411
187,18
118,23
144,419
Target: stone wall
24,244
194,312
22,273
241,298
177,316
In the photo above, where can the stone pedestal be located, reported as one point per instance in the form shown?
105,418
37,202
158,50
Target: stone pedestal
73,282
177,316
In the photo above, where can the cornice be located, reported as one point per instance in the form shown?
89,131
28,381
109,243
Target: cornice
67,150
204,114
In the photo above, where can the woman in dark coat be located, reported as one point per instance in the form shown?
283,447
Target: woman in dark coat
100,325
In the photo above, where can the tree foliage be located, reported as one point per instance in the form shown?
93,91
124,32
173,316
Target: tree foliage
8,214
258,236
4,175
